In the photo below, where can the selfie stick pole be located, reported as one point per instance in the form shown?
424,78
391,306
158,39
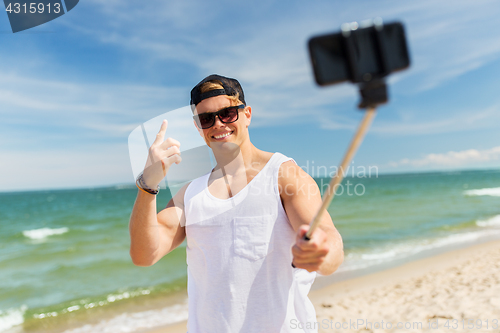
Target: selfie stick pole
337,178
372,94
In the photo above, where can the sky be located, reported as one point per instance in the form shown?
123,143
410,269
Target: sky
72,90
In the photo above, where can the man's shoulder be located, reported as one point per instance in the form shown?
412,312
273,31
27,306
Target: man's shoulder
200,181
290,170
178,198
292,176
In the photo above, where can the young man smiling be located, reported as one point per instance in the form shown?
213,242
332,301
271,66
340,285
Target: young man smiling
244,223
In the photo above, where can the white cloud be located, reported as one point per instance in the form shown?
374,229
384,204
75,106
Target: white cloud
447,42
452,159
460,121
109,110
98,165
53,96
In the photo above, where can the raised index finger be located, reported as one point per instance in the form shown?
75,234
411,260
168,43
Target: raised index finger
161,134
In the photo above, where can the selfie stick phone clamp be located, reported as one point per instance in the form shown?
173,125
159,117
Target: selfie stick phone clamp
372,94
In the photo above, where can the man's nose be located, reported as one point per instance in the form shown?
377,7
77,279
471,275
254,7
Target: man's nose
218,122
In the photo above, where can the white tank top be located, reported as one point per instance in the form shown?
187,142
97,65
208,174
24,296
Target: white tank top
240,277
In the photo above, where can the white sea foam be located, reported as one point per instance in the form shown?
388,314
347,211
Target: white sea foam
494,221
131,322
11,318
44,232
391,252
109,299
494,191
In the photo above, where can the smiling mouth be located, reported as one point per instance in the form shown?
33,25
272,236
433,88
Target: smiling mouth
222,136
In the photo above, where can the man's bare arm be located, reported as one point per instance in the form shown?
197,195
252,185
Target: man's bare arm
301,199
154,235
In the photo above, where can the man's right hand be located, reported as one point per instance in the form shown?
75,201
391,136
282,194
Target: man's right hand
162,154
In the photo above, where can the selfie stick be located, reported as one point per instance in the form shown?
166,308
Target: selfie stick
385,47
372,94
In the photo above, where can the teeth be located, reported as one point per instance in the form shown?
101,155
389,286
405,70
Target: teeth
222,135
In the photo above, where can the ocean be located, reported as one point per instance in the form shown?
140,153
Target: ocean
65,266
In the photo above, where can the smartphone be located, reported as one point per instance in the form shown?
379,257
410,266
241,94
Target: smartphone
359,54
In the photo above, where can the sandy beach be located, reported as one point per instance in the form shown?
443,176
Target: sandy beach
458,291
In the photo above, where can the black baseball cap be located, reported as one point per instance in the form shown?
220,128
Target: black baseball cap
231,88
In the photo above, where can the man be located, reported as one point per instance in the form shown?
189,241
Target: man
244,223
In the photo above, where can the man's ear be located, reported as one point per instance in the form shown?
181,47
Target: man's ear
248,115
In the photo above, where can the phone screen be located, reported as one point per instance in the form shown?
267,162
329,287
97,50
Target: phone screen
396,48
328,59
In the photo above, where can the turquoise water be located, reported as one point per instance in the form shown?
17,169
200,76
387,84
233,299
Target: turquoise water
64,254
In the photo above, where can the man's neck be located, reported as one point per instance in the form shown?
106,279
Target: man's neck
234,158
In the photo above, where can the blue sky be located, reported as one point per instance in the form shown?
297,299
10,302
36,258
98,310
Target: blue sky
73,89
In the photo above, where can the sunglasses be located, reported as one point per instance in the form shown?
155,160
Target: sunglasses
227,115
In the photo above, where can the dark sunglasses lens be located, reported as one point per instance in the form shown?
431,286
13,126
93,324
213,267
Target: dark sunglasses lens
206,120
229,115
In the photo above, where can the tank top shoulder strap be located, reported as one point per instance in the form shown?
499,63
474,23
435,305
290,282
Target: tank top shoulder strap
276,161
196,186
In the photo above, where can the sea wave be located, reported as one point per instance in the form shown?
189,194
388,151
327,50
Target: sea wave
493,221
44,232
88,303
494,191
391,252
11,318
130,322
